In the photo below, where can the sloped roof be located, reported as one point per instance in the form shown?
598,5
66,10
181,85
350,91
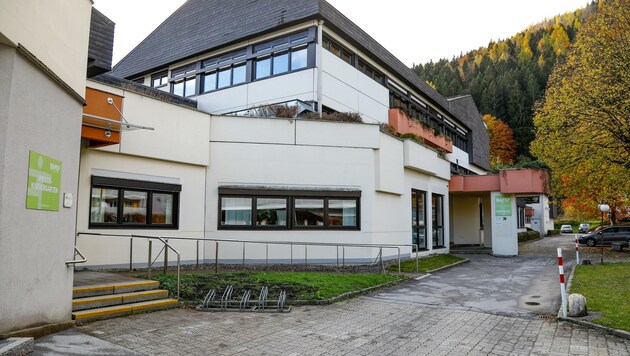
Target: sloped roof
101,45
200,26
466,110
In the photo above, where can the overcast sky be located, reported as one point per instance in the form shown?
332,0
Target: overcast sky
415,31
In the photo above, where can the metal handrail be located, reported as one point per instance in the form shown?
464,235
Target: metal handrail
77,252
164,240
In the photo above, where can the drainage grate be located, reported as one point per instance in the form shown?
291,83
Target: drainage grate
547,316
532,303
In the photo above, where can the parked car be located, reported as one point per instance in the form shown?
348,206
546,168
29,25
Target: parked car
566,229
584,227
607,236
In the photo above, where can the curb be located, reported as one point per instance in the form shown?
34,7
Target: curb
617,332
449,266
346,295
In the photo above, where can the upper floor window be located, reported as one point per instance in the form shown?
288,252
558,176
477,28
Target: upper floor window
370,72
338,50
281,62
126,203
184,82
159,80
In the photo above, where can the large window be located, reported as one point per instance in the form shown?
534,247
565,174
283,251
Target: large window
418,218
126,203
370,72
288,209
437,215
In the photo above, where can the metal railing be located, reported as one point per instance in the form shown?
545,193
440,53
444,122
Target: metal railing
76,252
165,239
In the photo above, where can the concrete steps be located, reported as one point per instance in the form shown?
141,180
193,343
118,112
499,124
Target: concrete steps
110,300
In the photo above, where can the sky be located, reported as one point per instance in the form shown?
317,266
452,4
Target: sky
415,31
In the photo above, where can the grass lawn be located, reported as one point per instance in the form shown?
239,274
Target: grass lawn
426,263
607,289
309,286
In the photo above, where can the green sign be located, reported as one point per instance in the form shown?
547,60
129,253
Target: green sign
44,181
503,205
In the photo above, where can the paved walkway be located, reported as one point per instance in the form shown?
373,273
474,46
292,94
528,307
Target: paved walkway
404,320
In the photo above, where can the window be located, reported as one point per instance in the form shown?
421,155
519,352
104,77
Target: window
266,209
338,50
159,80
370,72
184,81
437,214
418,217
126,203
281,62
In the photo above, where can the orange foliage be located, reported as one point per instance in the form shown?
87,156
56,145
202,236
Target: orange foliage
502,142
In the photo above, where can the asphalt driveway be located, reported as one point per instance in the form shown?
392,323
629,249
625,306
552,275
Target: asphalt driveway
526,285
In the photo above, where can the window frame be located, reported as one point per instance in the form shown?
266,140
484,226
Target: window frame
122,185
290,196
437,225
417,193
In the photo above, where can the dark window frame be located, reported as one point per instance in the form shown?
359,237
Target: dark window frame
328,43
122,185
414,219
290,196
437,227
162,77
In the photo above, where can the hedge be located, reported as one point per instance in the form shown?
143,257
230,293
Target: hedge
528,236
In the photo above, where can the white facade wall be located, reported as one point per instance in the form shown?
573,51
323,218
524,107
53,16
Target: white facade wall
60,44
291,86
346,89
461,158
175,151
114,251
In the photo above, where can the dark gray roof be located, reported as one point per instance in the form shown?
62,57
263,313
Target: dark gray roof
200,26
101,45
144,90
466,110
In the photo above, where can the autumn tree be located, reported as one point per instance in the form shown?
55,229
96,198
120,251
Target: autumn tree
502,143
582,126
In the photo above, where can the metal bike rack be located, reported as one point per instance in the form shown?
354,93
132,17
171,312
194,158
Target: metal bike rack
245,303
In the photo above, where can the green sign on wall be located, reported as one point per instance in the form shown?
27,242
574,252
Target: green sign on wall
503,205
44,182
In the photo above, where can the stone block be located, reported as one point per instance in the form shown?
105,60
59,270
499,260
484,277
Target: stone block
577,305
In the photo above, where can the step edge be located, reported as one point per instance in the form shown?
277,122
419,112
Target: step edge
123,308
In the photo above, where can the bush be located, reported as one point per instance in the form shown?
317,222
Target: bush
553,232
528,236
336,116
411,136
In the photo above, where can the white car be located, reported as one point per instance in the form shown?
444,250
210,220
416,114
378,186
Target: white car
566,229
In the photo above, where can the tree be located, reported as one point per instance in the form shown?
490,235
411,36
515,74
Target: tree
502,143
582,126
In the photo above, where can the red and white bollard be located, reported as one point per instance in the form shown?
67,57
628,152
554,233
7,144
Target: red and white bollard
577,252
563,290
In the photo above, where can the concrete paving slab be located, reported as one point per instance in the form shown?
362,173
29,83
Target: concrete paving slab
74,343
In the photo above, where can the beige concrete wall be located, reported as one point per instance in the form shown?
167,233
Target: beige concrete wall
55,31
34,244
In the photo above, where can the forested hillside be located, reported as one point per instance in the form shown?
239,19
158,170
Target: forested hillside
509,76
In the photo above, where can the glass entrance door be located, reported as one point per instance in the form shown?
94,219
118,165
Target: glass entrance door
437,215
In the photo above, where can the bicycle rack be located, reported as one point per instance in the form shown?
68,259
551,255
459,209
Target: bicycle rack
245,303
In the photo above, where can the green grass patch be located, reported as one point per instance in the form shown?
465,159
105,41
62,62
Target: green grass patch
607,289
425,263
310,286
